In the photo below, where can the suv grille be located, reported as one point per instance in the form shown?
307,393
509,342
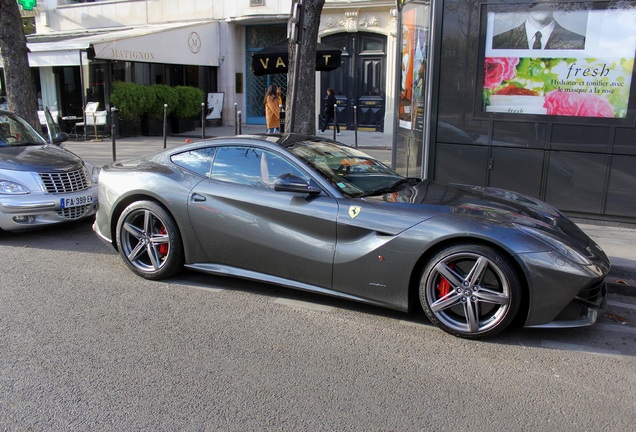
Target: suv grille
74,212
73,181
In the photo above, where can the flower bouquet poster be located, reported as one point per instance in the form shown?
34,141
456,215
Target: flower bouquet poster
565,59
413,69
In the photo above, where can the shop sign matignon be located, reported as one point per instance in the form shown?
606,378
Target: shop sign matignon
132,55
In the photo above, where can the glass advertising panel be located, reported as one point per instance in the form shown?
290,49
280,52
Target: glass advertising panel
414,52
572,59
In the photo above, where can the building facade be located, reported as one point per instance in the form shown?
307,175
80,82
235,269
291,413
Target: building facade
463,89
80,48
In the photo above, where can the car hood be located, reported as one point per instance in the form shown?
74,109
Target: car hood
45,158
488,203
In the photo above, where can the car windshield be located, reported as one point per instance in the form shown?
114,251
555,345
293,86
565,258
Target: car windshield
355,173
14,131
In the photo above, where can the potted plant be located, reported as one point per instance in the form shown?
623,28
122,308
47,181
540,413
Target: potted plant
131,101
188,108
158,95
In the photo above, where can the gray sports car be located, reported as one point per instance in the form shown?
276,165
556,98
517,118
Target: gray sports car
312,214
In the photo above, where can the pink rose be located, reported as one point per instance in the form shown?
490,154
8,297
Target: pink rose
499,69
577,104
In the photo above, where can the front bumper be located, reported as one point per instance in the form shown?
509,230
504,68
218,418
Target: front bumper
565,294
584,310
24,212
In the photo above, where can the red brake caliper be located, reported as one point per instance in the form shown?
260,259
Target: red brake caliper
163,248
444,286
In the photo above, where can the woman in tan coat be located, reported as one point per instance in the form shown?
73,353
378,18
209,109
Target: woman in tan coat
272,109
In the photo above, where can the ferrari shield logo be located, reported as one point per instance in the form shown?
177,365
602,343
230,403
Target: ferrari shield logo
354,211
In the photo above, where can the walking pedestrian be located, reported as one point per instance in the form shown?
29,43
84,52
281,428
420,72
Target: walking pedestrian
272,109
329,111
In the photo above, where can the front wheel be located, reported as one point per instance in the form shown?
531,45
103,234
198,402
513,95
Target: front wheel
149,241
470,291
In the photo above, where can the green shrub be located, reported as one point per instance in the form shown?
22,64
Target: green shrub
132,100
160,94
190,99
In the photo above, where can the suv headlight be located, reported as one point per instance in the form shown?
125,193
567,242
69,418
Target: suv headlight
8,187
95,174
92,172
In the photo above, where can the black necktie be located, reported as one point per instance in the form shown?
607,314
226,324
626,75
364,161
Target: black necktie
537,41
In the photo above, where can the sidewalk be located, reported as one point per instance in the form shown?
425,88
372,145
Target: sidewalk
617,240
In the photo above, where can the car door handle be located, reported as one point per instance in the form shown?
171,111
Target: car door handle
197,198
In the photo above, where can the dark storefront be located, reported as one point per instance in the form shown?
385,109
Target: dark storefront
359,81
258,37
553,118
72,69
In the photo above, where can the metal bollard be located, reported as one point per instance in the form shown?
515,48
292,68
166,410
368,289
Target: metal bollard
235,118
281,110
202,120
355,125
240,131
113,131
165,125
335,120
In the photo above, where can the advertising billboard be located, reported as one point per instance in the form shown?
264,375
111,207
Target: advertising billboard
414,51
572,59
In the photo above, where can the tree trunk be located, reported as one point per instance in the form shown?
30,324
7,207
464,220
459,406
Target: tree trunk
303,86
17,73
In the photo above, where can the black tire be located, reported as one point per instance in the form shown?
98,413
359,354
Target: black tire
470,280
149,241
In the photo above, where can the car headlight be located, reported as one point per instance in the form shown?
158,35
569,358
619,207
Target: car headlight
554,242
95,174
8,187
92,172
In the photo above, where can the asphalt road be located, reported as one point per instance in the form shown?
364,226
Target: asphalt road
86,345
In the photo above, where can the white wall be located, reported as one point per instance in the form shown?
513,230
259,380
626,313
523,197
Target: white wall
117,13
232,49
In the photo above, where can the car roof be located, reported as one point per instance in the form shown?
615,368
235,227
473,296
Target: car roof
265,140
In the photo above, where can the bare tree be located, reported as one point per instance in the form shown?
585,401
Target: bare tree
303,85
20,90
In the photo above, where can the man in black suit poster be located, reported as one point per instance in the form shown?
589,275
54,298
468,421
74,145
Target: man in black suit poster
539,31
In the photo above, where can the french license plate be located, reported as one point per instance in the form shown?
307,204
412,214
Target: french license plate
77,201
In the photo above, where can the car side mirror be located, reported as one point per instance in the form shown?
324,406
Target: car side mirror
292,183
55,136
59,138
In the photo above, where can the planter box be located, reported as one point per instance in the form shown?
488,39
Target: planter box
154,127
128,128
181,125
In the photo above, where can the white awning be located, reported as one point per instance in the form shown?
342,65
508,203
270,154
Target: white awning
185,43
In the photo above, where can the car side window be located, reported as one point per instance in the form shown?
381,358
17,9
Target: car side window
199,160
251,166
17,132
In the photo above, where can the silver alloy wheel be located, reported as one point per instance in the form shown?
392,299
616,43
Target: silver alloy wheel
468,293
145,240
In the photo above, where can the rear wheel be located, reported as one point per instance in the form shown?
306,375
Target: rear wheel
149,241
470,291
